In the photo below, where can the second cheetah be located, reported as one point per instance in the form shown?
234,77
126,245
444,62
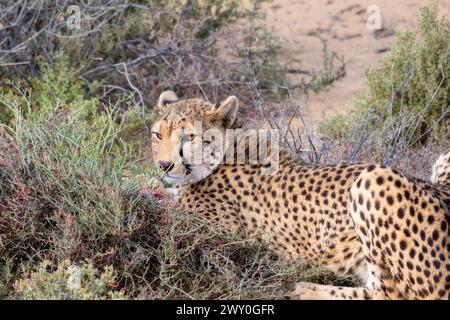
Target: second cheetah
441,169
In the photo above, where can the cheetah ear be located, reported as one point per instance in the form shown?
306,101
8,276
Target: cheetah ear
166,98
227,110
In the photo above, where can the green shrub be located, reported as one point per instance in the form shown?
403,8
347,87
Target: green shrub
408,96
62,195
67,281
336,127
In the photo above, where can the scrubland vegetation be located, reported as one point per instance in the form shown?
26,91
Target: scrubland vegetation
408,101
79,219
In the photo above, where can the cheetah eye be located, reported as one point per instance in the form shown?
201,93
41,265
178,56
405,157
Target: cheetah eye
190,137
157,135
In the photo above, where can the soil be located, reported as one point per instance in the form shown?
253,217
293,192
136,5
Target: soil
343,23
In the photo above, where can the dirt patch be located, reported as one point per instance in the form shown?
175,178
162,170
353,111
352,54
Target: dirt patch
343,24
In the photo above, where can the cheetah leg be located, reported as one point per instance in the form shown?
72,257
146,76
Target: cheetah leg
312,291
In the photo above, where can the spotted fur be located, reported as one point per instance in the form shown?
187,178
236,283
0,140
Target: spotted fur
441,169
312,210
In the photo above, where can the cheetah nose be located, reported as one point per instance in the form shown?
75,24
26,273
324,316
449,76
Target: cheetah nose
165,165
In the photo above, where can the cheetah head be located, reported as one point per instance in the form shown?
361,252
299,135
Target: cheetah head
188,137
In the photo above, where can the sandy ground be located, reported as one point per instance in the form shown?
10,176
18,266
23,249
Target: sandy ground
344,24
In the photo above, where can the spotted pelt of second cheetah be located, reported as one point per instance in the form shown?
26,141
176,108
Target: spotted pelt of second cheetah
441,169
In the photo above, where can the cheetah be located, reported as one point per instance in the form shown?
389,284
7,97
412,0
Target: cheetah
441,169
300,209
